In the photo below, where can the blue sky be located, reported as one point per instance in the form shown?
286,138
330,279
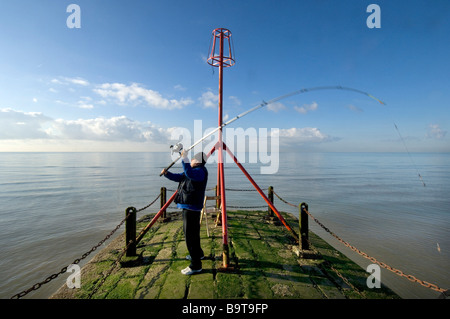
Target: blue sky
135,70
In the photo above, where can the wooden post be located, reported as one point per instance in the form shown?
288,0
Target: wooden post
218,217
130,231
270,196
304,227
216,190
163,201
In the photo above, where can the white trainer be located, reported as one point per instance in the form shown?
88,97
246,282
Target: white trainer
189,271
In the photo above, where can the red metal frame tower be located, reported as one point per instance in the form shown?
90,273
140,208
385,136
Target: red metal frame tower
218,58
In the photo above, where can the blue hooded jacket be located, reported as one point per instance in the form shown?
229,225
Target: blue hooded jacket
191,187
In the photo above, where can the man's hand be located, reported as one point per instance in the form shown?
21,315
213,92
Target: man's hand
163,172
184,153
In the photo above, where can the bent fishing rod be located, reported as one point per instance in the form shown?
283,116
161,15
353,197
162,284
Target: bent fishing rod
263,103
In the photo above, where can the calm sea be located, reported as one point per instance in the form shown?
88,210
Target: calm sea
56,206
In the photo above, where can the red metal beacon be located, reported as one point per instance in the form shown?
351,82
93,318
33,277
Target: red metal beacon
221,56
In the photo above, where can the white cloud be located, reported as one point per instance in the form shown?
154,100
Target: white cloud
106,129
303,135
435,131
78,81
178,87
306,108
135,93
275,107
22,125
69,80
84,105
209,99
18,125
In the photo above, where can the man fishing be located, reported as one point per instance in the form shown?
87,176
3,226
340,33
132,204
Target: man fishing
189,197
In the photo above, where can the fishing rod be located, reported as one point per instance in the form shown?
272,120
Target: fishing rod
410,157
263,103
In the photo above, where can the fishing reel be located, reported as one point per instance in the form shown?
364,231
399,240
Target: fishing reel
177,148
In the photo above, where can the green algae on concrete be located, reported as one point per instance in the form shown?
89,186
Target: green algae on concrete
264,258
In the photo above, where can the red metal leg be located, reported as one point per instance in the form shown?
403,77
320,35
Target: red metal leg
155,218
261,193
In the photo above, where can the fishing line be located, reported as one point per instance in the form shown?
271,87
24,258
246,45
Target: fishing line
263,104
410,157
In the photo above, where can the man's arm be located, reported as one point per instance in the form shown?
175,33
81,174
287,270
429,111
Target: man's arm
172,176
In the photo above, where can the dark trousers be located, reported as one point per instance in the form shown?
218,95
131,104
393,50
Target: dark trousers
191,227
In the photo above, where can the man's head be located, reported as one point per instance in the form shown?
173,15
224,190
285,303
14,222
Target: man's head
198,159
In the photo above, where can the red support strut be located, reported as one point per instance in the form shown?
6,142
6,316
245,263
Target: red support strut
155,218
283,221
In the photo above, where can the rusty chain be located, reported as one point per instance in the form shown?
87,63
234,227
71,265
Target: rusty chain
240,190
77,261
229,206
284,201
144,208
374,260
344,279
412,278
227,189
